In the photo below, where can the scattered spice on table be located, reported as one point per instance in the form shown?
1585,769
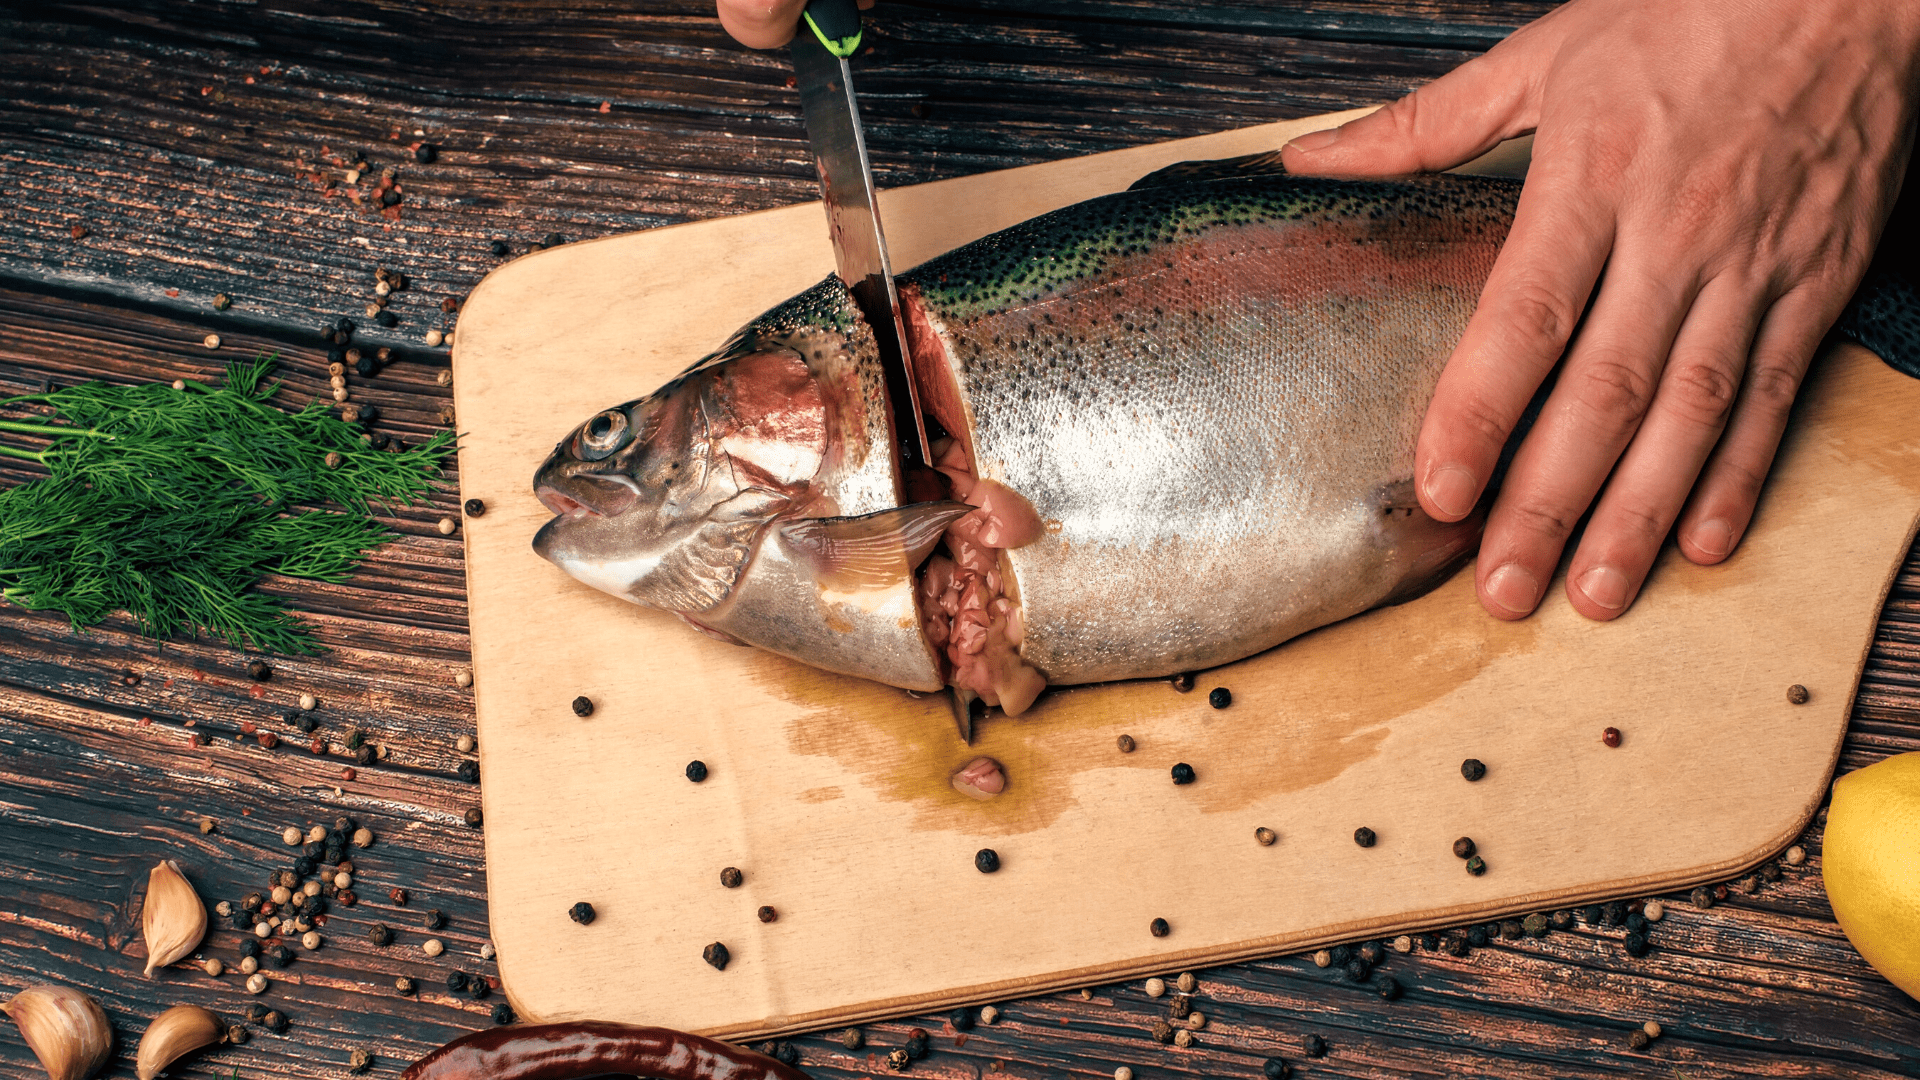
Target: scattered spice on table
359,1061
717,955
962,1019
433,947
1156,987
1179,1006
434,919
986,860
1473,769
581,913
469,771
1183,773
474,817
1610,736
853,1038
474,508
1797,694
767,914
1364,836
502,1013
1125,743
1159,928
1219,697
1162,1031
380,934
1464,848
1275,1069
1313,1045
731,877
1183,1038
403,984
897,1060
259,671
1322,958
1265,836
696,771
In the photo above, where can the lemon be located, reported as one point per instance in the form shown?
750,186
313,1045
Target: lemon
1871,863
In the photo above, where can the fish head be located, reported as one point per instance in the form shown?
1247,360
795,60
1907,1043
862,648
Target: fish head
661,500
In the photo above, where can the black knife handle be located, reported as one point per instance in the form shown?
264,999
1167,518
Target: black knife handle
836,23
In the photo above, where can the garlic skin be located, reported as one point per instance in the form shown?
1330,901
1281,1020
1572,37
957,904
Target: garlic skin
66,1029
173,1034
172,918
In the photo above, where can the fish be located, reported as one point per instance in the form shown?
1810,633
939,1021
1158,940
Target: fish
1172,427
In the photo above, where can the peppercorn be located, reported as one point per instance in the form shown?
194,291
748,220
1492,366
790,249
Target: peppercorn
469,771
1275,1069
250,947
1477,936
1341,954
474,508
553,239
456,981
1219,697
1387,987
275,1021
1179,1006
581,913
1364,836
1159,928
363,756
359,1061
986,860
367,365
435,918
237,1035
1265,836
1314,1045
1637,944
897,1060
313,849
1473,769
717,955
1610,736
1125,743
503,1013
1162,1031
1616,913
280,955
474,817
403,985
1536,925
1636,923
583,706
767,914
1463,848
962,1019
786,1053
1638,1040
305,723
1797,694
380,934
1371,951
1358,969
258,671
1655,911
425,153
1183,773
731,877
696,771
499,247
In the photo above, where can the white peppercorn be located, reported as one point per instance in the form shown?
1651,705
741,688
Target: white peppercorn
463,678
311,888
224,909
211,341
249,965
262,929
1123,1073
310,940
343,880
214,967
1403,944
445,527
1156,987
257,983
1322,958
989,1014
486,950
434,337
1654,911
1186,982
433,947
464,744
1796,855
1183,1038
282,894
291,837
1652,1028
317,834
308,702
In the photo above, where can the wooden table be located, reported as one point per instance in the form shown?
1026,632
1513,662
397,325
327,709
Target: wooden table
155,153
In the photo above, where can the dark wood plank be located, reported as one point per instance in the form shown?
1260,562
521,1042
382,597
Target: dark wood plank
105,126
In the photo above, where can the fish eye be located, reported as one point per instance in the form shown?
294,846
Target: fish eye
603,435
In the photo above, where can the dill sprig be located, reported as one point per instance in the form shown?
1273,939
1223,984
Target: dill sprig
172,504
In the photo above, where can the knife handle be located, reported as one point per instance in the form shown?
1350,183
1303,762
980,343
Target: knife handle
836,23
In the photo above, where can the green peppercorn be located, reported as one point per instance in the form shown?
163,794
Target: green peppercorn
1535,925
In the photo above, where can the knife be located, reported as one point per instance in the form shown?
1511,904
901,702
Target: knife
828,34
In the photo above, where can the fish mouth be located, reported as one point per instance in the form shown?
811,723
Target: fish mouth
582,494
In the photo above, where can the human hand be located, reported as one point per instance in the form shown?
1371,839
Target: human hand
764,24
1729,165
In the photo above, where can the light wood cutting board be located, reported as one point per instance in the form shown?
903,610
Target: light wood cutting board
831,794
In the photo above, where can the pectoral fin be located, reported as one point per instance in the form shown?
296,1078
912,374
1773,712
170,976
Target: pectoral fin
873,550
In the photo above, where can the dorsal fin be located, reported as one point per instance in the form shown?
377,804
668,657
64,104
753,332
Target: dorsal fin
1265,163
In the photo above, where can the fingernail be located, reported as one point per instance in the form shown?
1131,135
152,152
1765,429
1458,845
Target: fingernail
1513,587
1605,586
1316,140
1713,537
1452,489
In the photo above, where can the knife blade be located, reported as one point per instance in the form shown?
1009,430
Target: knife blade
828,34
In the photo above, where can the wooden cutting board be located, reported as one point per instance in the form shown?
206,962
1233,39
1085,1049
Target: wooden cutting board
831,794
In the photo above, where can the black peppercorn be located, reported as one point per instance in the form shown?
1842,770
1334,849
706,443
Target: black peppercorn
474,507
1159,928
1510,930
469,771
1387,986
1358,970
434,919
1341,954
252,901
425,153
717,955
1636,923
581,913
1371,951
280,955
499,247
553,239
1455,944
367,413
696,771
1183,773
1463,848
917,1043
1476,866
275,1021
1473,769
1364,836
380,934
1590,915
767,914
456,981
390,197
313,850
1701,897
583,706
731,877
306,722
1476,936
503,1013
238,1035
363,756
1797,694
474,817
256,1012
1182,682
1314,1045
1639,1040
1219,697
258,671
1125,743
250,947
335,854
316,906
961,1019
986,860
1275,1069
1562,919
366,365
1616,913
786,1053
1636,944
1429,942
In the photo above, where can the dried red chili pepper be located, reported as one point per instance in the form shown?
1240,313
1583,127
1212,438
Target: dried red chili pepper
592,1048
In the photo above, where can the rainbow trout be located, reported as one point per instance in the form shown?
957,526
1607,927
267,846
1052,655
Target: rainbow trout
1175,427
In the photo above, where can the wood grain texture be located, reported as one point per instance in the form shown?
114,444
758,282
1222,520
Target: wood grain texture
103,125
830,791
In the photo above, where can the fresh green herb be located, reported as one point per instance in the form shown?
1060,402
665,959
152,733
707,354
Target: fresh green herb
171,504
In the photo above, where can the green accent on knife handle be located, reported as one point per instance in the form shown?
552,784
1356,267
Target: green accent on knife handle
836,23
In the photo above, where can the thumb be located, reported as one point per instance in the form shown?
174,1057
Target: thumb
1451,120
761,24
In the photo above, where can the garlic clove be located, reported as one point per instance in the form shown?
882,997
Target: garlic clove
172,1035
66,1029
172,918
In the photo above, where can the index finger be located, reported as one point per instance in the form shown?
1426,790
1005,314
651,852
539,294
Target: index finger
1539,286
761,24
